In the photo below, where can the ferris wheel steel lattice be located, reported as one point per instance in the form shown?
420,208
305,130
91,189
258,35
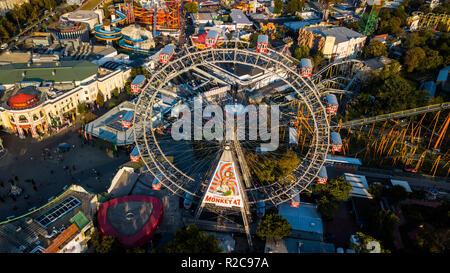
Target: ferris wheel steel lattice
309,91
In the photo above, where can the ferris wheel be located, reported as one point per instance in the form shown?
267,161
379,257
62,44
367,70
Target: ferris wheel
185,167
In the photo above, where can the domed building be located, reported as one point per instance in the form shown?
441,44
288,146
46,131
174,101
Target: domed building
26,117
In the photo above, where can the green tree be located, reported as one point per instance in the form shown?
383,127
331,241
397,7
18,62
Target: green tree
294,5
4,34
262,167
191,7
318,61
375,49
363,241
327,207
105,244
338,189
287,163
354,25
376,190
396,194
273,226
301,51
382,225
391,26
191,240
135,250
413,57
100,100
434,240
278,9
82,108
115,92
431,62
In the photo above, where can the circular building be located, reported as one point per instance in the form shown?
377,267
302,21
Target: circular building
132,219
88,17
25,112
63,30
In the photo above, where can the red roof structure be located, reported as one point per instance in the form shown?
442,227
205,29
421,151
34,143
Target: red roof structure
132,219
22,101
200,39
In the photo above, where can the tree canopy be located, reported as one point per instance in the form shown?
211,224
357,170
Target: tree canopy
331,195
396,194
376,190
390,26
191,7
327,207
375,49
363,241
82,108
412,58
105,244
301,51
268,169
27,13
338,189
434,240
294,5
279,5
273,226
100,100
387,92
382,225
191,240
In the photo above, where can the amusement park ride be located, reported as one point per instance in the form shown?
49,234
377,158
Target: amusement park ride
222,181
369,24
419,21
220,177
163,16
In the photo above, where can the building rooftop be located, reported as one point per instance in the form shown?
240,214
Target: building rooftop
377,63
401,183
304,218
64,71
341,34
8,57
443,74
239,17
359,184
308,246
429,86
296,25
36,231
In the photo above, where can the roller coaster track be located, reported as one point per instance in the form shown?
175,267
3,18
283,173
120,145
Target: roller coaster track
400,114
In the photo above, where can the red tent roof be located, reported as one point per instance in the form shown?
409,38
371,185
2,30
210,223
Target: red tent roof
22,100
141,236
200,39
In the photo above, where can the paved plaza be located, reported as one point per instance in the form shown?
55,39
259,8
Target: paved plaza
24,160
